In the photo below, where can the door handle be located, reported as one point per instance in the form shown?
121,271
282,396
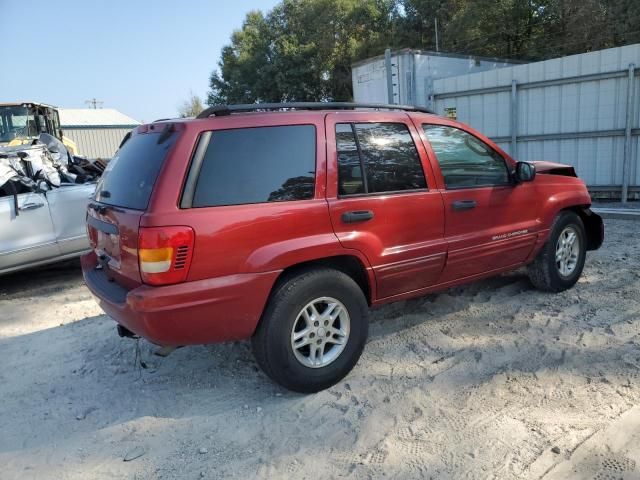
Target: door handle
31,206
464,204
357,216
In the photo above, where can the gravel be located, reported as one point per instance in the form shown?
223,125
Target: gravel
481,381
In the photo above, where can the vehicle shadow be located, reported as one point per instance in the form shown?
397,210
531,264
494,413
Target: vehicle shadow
41,280
85,364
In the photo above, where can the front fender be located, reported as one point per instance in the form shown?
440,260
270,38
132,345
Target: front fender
577,198
559,193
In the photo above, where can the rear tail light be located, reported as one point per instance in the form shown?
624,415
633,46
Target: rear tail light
92,234
165,254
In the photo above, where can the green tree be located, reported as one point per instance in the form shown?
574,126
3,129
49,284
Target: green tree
414,22
581,26
246,66
301,51
496,28
519,29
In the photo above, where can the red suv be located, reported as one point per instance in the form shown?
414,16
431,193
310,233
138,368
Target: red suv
283,223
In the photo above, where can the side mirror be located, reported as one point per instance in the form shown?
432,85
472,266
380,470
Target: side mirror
525,172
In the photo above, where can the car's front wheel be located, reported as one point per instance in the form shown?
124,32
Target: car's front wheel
312,331
559,263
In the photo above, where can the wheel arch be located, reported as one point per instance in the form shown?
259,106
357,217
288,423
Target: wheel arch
593,225
575,198
350,265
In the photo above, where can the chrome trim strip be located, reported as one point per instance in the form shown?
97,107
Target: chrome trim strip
25,249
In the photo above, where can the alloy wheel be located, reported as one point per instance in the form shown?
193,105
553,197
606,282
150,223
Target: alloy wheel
567,251
320,332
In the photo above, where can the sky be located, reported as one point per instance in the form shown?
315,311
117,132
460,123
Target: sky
141,57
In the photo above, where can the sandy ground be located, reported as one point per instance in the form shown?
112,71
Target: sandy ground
483,381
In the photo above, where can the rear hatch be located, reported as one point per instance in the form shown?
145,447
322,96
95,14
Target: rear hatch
122,196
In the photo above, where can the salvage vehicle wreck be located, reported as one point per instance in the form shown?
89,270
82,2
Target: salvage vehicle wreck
44,192
283,223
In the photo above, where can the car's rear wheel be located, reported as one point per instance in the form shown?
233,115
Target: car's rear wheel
312,331
559,263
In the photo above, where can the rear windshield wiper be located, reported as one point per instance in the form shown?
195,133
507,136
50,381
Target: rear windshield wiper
102,209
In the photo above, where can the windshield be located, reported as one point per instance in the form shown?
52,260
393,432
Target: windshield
16,122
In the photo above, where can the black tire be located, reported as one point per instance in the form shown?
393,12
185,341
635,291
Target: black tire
271,342
544,271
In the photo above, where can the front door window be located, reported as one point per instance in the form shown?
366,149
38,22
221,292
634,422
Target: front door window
465,160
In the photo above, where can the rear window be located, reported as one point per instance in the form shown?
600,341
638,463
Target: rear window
257,165
130,175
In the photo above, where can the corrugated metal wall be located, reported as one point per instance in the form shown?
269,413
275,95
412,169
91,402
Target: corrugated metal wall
571,110
96,142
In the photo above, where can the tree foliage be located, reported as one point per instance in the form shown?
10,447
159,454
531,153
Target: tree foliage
302,50
191,107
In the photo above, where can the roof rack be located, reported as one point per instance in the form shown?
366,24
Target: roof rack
224,110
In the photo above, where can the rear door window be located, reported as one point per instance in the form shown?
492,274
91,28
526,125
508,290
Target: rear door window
377,158
130,175
257,165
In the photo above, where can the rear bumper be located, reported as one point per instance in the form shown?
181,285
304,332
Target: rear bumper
203,311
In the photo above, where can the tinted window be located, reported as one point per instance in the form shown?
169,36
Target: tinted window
350,179
130,175
384,151
254,165
465,160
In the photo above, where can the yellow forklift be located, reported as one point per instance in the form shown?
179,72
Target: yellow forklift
22,122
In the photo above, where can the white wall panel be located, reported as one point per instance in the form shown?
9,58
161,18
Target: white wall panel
578,107
96,142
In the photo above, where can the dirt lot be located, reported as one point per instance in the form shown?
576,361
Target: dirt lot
476,382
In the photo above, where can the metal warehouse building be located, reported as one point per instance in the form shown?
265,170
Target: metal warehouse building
97,132
581,109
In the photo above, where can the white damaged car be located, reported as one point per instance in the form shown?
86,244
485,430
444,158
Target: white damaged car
43,201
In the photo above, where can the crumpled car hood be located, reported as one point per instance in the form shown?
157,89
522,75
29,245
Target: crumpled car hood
552,168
